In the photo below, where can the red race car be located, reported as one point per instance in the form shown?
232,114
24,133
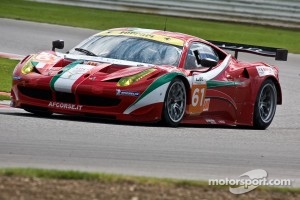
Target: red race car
145,75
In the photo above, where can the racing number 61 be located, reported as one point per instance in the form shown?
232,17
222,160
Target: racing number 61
198,96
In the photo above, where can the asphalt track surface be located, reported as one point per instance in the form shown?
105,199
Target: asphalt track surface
186,152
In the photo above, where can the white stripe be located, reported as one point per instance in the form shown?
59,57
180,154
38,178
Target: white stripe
156,96
40,65
213,73
103,60
65,82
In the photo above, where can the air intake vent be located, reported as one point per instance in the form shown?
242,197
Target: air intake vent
36,93
65,97
90,100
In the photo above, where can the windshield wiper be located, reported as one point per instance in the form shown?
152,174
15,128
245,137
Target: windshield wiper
86,52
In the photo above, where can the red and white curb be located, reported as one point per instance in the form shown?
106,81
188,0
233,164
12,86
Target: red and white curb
5,104
5,93
11,56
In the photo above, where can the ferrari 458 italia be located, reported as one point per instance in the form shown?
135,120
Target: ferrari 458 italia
144,75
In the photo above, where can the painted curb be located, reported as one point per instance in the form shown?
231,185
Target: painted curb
5,102
5,93
11,56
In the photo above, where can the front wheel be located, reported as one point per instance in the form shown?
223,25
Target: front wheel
265,105
175,103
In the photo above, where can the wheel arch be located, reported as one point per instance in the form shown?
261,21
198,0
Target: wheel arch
172,114
278,89
255,84
252,73
187,87
262,122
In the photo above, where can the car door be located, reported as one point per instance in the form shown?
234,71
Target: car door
213,90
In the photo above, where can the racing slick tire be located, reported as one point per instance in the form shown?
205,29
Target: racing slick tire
175,103
265,105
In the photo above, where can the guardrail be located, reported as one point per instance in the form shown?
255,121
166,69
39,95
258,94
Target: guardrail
265,12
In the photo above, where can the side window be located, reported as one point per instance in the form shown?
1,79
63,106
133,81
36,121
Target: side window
205,52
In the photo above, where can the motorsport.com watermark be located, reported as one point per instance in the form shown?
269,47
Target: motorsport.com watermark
249,181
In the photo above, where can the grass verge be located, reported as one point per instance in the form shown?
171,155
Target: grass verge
104,19
6,68
89,176
4,97
115,178
38,184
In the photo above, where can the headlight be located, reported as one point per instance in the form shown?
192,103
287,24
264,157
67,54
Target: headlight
131,79
27,68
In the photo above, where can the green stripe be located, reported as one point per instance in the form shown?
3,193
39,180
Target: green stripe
213,83
34,63
64,70
158,82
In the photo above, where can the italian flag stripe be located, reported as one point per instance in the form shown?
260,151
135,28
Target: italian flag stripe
55,81
155,93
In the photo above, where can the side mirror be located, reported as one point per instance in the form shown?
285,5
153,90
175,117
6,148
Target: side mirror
208,62
58,44
205,62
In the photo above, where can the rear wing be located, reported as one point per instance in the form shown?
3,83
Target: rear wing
277,53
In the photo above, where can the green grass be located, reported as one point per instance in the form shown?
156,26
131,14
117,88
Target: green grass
103,19
78,175
3,97
6,69
115,178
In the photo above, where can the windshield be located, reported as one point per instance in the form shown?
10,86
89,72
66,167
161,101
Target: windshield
130,49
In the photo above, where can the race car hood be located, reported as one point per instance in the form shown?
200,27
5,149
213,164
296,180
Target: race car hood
65,66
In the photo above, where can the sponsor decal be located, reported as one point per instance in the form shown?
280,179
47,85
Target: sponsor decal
138,34
126,93
141,33
45,58
66,80
211,121
199,80
17,78
250,180
206,105
66,106
265,71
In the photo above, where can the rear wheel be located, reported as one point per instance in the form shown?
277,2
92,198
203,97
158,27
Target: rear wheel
175,103
265,105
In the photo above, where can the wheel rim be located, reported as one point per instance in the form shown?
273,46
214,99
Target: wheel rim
176,101
267,103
